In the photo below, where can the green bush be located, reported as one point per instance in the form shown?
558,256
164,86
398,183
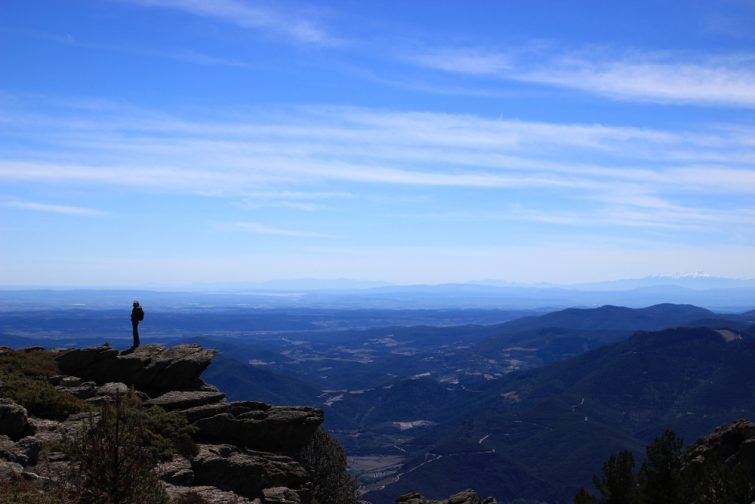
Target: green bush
20,491
165,433
169,433
325,460
25,375
113,465
31,362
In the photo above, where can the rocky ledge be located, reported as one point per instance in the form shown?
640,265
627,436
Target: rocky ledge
730,445
153,369
246,449
465,497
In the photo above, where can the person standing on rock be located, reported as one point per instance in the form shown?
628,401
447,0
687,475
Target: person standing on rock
137,315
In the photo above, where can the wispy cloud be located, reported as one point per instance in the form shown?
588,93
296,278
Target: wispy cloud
296,200
183,55
313,158
294,26
628,216
254,227
468,61
684,78
372,146
51,208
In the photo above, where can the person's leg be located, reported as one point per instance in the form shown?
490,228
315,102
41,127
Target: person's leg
135,325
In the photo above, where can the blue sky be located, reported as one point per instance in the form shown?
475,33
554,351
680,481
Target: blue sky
167,142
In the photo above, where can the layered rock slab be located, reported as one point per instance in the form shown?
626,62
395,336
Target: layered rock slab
153,369
248,473
465,497
261,426
209,494
181,400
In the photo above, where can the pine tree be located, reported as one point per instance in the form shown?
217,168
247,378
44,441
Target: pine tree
660,475
618,484
583,497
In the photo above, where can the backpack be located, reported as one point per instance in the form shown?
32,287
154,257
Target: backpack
140,314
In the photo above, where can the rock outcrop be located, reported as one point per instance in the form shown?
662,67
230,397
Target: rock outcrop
729,447
246,449
248,473
209,494
246,452
261,427
24,452
14,420
153,369
465,497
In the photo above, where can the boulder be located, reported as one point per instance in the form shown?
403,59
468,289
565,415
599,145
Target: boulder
9,470
153,369
281,428
206,410
247,473
209,494
179,400
82,391
465,497
24,452
281,495
7,449
469,497
14,420
28,450
240,407
64,381
112,389
176,472
77,360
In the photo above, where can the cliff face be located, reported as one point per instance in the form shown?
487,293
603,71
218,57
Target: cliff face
245,451
721,465
242,452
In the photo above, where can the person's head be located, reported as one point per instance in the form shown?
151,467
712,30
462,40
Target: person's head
136,303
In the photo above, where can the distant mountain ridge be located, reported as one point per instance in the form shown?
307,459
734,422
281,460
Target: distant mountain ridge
701,290
611,317
556,424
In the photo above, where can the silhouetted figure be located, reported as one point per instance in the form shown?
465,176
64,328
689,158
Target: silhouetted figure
137,315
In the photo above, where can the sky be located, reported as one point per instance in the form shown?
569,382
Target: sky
177,142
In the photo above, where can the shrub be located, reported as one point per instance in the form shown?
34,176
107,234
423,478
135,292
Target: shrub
325,460
168,432
24,375
112,465
20,491
30,362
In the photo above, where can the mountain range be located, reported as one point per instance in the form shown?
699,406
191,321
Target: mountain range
720,293
542,433
527,405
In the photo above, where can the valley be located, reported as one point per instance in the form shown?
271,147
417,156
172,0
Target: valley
527,406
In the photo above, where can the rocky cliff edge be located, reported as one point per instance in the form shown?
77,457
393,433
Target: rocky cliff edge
245,450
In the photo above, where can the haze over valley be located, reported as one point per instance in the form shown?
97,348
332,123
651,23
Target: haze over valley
416,394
